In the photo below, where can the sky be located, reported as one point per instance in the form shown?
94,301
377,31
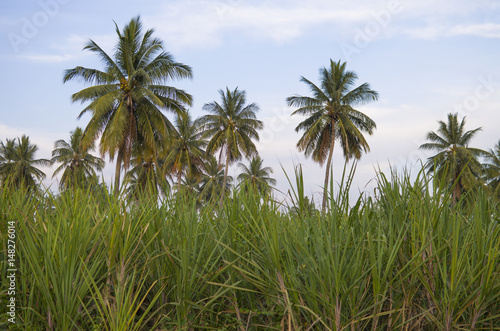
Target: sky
425,58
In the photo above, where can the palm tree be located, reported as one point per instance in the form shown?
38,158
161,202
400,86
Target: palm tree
18,166
77,162
147,176
492,169
455,163
231,125
331,116
127,97
186,148
213,180
256,177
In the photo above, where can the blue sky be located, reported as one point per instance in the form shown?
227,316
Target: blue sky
425,58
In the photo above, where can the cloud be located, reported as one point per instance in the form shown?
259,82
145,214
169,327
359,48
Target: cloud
485,30
205,23
70,49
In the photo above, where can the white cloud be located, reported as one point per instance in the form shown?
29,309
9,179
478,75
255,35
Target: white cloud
70,49
205,23
486,30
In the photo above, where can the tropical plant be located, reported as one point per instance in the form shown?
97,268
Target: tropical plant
147,177
331,116
128,96
231,126
213,179
256,177
77,164
186,149
456,164
492,169
18,166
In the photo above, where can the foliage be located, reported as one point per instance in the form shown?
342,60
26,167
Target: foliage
492,170
400,259
456,164
18,166
331,116
77,164
231,127
127,97
256,177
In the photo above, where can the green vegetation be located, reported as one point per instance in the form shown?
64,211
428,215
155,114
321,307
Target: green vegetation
77,164
402,260
181,245
331,116
127,97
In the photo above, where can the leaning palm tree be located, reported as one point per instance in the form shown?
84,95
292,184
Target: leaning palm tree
231,127
213,179
18,166
492,169
128,96
77,164
186,149
331,116
455,163
256,177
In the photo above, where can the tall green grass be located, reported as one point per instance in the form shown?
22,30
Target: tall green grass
401,259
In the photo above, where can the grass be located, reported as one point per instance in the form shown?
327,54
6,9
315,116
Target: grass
403,259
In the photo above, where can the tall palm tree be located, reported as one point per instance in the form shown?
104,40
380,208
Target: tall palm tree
492,169
213,180
18,166
331,116
231,125
257,177
76,161
455,163
128,96
186,148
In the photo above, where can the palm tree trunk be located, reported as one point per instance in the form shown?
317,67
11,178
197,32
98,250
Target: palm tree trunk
224,181
328,164
119,159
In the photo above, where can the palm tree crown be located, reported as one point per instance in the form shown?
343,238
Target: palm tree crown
18,166
231,125
331,116
492,169
186,149
127,97
257,177
76,161
213,179
455,163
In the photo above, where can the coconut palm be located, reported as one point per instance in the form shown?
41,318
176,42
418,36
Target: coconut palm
256,177
455,163
146,177
77,164
492,169
128,96
18,166
213,179
331,116
231,127
186,149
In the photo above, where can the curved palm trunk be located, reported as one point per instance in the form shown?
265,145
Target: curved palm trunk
224,181
119,160
328,165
